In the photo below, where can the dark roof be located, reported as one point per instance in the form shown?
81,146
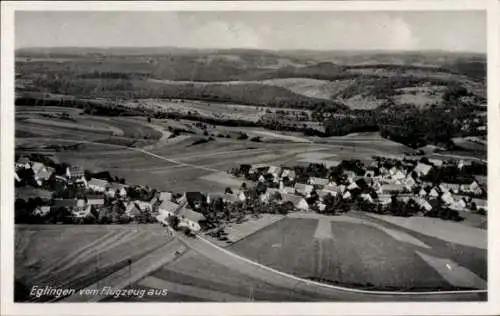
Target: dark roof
195,197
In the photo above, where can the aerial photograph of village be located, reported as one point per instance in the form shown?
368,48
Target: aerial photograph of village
250,156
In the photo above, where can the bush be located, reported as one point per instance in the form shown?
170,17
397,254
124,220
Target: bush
242,136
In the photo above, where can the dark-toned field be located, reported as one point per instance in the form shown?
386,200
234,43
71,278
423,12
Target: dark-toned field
366,256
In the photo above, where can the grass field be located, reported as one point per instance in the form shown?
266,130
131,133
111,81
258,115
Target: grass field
75,256
354,254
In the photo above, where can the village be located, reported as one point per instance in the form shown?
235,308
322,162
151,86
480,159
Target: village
410,187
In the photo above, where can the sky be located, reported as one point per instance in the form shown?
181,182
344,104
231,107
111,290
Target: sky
334,30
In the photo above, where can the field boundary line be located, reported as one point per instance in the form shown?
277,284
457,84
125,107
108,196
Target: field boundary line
334,287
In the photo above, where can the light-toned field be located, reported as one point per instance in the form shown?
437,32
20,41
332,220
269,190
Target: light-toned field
74,256
438,228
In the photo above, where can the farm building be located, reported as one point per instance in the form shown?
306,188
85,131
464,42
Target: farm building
168,207
297,201
98,185
190,219
165,196
303,189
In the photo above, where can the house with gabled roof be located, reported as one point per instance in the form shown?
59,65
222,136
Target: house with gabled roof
169,207
434,192
447,198
297,201
422,193
473,188
133,210
44,174
458,205
37,166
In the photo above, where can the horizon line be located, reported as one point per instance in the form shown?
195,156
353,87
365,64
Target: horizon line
253,49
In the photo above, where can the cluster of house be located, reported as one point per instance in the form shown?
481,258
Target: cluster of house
401,181
41,173
98,190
